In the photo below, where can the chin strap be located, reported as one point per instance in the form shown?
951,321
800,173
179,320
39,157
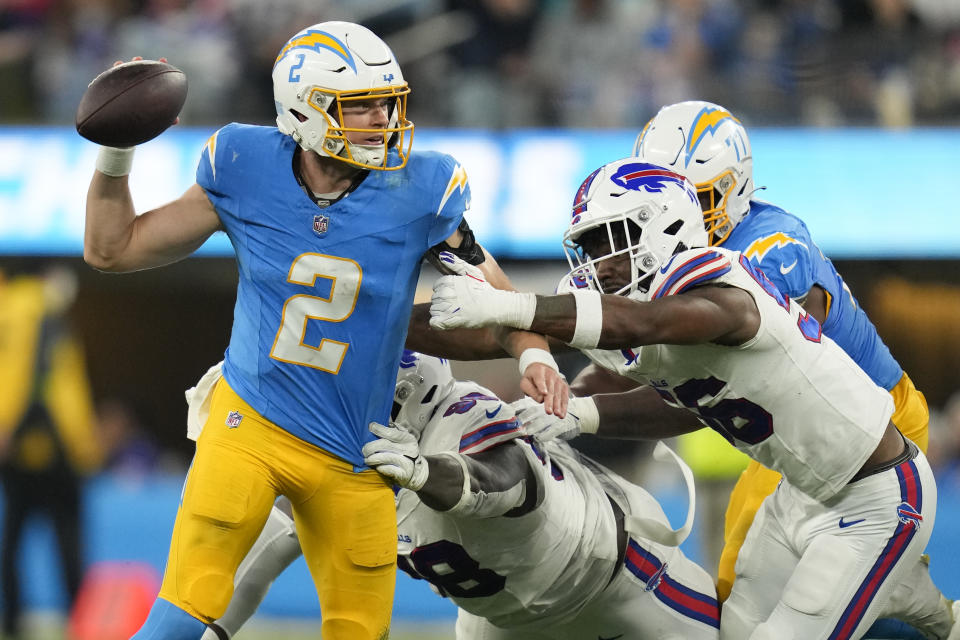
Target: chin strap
654,529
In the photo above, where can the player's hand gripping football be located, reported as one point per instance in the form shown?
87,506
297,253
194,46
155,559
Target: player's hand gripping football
396,454
468,301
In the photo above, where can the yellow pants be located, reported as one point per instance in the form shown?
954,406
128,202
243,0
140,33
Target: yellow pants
346,521
910,416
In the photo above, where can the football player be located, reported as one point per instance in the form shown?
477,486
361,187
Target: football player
329,216
709,146
531,540
704,331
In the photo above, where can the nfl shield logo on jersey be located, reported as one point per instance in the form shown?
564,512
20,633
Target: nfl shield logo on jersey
233,419
320,223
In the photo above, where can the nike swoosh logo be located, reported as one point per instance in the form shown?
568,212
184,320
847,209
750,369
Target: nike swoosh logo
610,638
663,269
492,414
844,525
787,269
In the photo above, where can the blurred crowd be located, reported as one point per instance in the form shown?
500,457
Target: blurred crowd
517,63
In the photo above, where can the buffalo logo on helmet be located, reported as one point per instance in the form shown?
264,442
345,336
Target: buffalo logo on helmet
651,178
317,40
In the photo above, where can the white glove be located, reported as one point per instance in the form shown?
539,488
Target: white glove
396,454
582,417
468,301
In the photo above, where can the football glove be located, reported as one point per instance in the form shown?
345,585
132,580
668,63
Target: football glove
396,454
468,301
581,417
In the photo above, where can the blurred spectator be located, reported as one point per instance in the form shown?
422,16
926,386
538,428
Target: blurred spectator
47,437
196,37
20,23
489,86
586,59
77,44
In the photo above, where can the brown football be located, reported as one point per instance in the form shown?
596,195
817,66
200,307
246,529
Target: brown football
131,103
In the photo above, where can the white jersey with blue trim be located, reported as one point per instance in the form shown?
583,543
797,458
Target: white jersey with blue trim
780,245
790,397
324,294
538,568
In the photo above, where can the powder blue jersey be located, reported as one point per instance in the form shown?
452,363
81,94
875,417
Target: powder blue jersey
324,294
780,245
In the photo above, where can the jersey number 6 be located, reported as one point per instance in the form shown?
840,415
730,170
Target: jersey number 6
300,309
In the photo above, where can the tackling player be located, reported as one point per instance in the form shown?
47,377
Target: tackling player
708,145
709,334
329,216
531,540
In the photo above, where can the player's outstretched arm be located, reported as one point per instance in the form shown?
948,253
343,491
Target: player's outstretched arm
482,485
636,414
589,320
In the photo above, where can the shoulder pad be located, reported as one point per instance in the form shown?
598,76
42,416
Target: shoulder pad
689,269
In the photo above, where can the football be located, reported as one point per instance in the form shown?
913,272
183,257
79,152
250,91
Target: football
131,103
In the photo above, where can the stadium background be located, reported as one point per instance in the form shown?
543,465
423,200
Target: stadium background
852,107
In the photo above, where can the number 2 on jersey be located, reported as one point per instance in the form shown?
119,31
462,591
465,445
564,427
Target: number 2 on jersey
298,310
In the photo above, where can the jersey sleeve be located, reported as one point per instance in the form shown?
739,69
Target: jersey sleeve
453,202
689,269
207,168
495,423
217,183
786,260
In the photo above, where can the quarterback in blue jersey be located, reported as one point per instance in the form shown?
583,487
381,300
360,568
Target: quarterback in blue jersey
330,216
709,146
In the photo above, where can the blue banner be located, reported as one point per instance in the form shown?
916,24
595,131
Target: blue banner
864,193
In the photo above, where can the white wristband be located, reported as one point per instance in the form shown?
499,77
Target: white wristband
115,162
529,356
519,309
586,334
585,409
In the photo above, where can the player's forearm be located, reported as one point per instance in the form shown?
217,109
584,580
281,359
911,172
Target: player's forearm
484,485
455,344
641,414
443,487
109,221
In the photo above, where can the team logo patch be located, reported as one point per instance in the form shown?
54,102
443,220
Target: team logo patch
233,419
909,515
320,224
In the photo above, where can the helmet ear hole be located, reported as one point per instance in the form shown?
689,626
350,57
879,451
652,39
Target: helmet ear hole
673,228
299,116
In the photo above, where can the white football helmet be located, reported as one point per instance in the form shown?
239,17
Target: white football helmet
709,146
635,208
422,383
330,64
